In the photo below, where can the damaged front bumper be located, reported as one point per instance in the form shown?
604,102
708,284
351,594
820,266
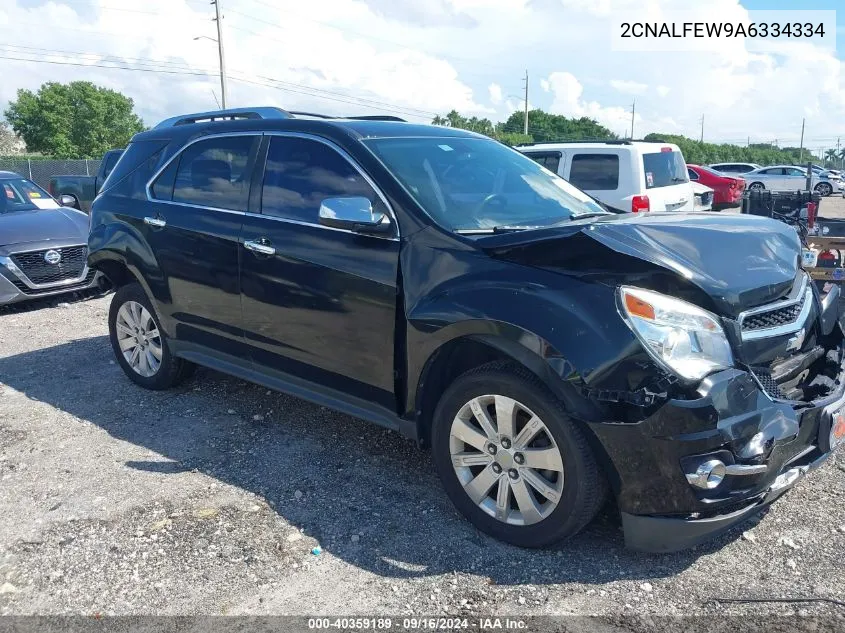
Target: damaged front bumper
766,446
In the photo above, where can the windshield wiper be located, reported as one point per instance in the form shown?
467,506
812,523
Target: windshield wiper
492,230
593,214
678,179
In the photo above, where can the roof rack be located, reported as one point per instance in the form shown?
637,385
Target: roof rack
226,115
367,117
235,114
610,141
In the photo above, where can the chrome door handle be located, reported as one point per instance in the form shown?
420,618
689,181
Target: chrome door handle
156,222
258,247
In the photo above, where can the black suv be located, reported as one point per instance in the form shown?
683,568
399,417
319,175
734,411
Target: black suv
439,283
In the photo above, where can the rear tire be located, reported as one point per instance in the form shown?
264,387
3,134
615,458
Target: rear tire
824,189
756,186
544,483
139,343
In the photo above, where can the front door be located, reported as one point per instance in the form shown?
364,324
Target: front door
193,229
319,303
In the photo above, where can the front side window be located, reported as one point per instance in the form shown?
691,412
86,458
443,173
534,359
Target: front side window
664,169
214,172
20,194
692,175
301,173
595,172
474,184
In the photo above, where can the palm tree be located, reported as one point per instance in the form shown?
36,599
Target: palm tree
830,156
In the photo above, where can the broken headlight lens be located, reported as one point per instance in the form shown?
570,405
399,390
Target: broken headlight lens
683,338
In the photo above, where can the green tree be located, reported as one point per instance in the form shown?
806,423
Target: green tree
75,120
542,127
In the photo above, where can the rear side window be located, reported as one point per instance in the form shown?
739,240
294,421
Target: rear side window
301,173
595,172
215,172
664,169
549,160
110,162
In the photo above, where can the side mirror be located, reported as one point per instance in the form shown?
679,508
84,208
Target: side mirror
354,214
68,201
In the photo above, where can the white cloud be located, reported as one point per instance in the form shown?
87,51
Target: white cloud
629,87
495,91
449,54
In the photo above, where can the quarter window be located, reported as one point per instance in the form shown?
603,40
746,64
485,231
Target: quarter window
215,172
549,160
301,173
595,172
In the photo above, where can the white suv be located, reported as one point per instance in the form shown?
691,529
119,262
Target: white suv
623,175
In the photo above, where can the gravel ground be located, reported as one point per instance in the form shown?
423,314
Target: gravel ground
211,498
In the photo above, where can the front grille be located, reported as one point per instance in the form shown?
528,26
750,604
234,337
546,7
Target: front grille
772,318
764,377
39,271
32,292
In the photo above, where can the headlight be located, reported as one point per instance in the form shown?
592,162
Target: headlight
681,337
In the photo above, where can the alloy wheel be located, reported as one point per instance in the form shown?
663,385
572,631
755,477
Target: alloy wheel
506,460
139,339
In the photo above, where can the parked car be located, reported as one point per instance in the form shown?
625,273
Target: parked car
734,168
786,178
626,176
727,189
43,246
828,177
436,282
83,189
703,197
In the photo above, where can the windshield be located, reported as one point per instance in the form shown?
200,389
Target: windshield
664,169
468,184
19,194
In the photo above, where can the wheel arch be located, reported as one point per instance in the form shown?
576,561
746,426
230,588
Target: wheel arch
492,342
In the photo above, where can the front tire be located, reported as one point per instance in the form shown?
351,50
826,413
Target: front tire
756,186
511,459
139,343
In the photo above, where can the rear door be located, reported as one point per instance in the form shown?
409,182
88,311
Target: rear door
319,303
199,200
665,179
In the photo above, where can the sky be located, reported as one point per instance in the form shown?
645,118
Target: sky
418,58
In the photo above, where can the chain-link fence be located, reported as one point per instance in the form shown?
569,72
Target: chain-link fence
40,171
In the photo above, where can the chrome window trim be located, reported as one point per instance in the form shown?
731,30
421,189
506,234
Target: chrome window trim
149,187
343,153
787,328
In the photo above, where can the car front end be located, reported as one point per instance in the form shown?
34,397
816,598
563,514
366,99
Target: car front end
718,381
770,412
43,247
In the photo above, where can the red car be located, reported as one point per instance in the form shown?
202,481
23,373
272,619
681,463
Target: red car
727,189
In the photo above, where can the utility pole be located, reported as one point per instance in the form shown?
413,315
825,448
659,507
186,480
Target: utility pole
218,19
633,111
702,128
837,152
525,128
801,150
748,143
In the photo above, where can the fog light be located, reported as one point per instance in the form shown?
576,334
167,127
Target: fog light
708,475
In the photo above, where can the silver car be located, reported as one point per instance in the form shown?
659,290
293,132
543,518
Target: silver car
785,178
43,245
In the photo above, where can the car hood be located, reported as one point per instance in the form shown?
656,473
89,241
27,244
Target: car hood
739,261
42,225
